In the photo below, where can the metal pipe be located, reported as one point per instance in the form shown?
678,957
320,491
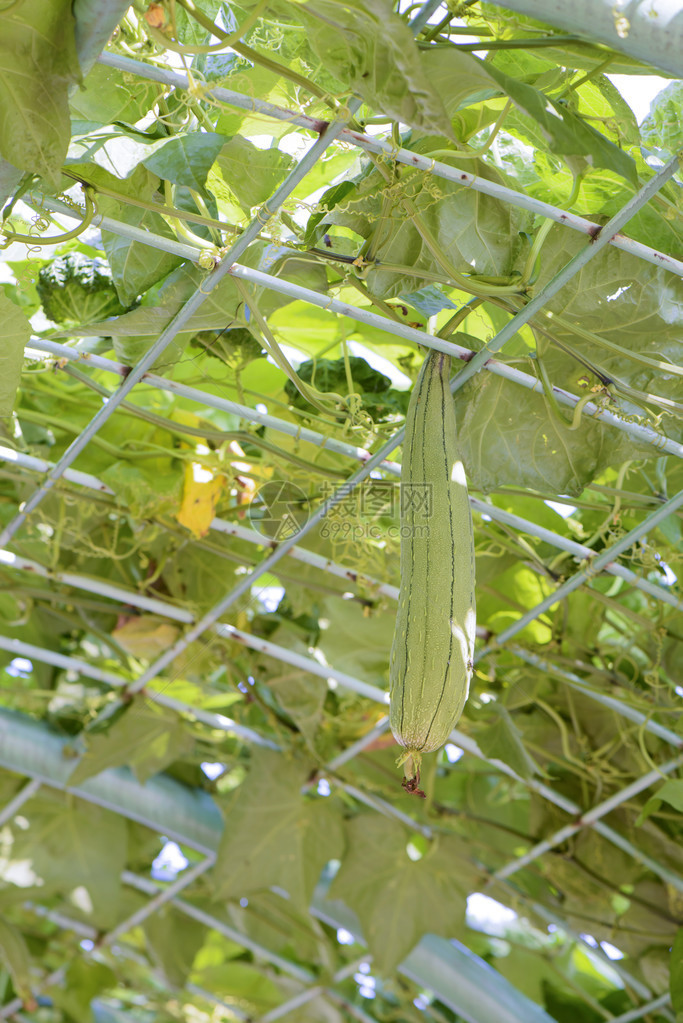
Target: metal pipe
597,564
404,156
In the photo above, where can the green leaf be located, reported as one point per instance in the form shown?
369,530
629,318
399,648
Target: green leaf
246,987
374,53
474,232
84,981
276,836
15,331
135,267
671,792
107,97
187,159
272,921
147,738
676,974
174,939
662,129
74,845
158,490
502,740
564,131
397,899
355,642
508,436
252,174
302,697
15,956
38,63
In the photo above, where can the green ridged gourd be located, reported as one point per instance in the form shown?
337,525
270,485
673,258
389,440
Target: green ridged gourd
433,649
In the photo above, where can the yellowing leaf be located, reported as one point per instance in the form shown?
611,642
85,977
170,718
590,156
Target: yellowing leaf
146,637
200,497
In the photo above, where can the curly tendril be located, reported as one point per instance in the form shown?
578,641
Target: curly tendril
41,224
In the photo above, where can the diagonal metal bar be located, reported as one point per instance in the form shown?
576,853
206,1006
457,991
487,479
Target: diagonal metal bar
14,805
350,752
574,266
260,951
587,818
264,214
596,565
161,898
643,1010
571,808
640,989
198,818
423,15
312,992
414,160
579,550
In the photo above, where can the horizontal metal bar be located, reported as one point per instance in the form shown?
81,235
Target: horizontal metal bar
404,156
104,589
296,292
359,454
572,268
618,706
24,461
308,664
74,664
38,653
594,411
205,398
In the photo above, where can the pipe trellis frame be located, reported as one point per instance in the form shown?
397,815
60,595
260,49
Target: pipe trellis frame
211,617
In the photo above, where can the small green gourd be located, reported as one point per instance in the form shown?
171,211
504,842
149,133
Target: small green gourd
433,648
